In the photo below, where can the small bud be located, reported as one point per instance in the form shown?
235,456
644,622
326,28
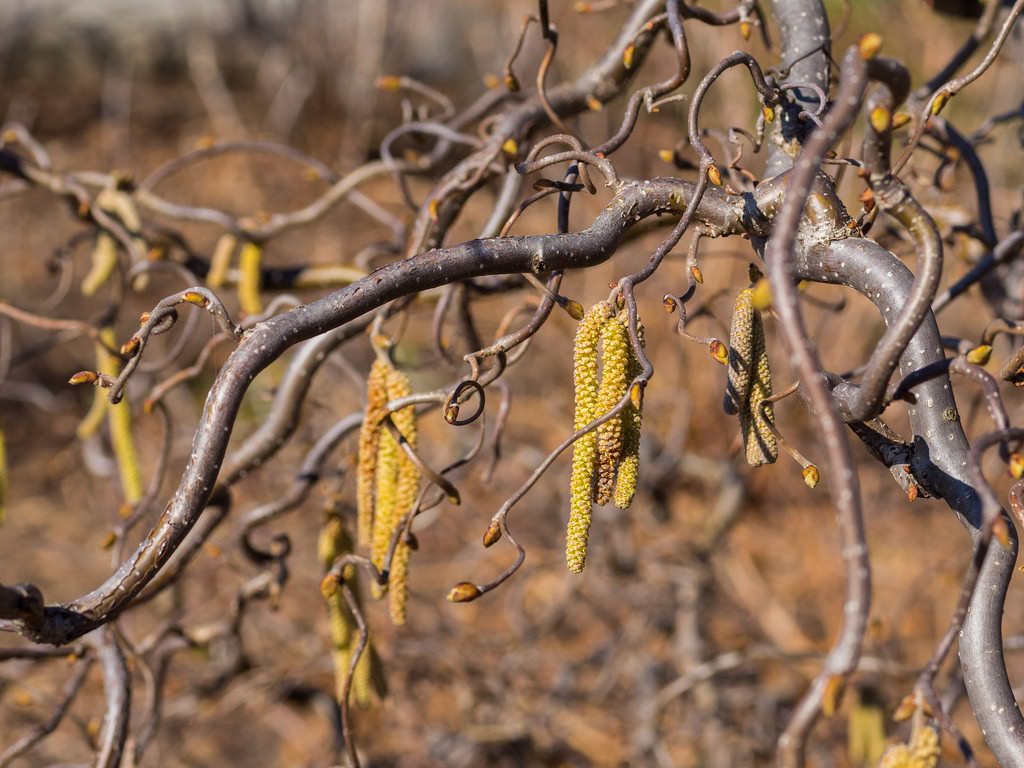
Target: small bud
464,592
753,273
192,297
867,199
143,319
131,347
940,101
745,27
108,541
491,81
1016,466
906,708
832,694
583,7
636,395
980,354
510,148
84,377
811,477
1000,532
593,104
329,585
434,208
666,155
881,119
389,83
628,56
869,45
912,492
511,83
669,302
697,274
714,175
451,413
719,351
574,309
768,112
493,534
900,119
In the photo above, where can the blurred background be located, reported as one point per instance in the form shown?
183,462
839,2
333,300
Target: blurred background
704,609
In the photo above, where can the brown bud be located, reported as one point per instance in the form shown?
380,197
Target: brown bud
195,298
832,694
745,27
464,592
940,101
329,585
574,309
900,119
493,533
628,56
719,351
1000,532
980,354
714,175
810,473
84,377
906,708
869,45
131,347
880,118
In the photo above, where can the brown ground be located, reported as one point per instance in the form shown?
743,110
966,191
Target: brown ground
552,669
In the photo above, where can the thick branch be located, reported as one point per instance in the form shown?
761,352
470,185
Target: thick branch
718,213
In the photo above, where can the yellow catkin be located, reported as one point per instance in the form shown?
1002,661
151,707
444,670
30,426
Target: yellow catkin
118,421
741,353
750,382
369,435
406,489
632,420
398,584
220,262
759,438
344,635
121,203
922,752
584,453
103,264
385,492
616,350
250,280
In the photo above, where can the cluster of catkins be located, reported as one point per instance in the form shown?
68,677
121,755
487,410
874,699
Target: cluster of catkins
606,459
